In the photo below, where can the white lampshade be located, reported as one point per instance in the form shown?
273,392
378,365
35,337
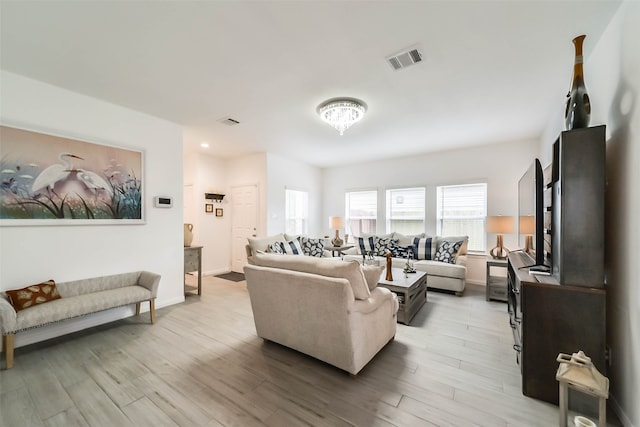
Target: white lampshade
336,222
500,224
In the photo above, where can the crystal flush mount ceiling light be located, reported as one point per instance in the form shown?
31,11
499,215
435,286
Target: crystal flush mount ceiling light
342,113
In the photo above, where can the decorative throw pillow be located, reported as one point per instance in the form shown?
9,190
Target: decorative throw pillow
372,275
366,245
293,247
406,240
447,251
423,248
398,251
313,247
33,295
275,248
382,245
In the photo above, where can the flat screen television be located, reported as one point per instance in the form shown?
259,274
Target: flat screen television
531,214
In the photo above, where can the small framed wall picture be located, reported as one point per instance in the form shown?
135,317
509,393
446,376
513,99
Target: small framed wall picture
208,207
218,211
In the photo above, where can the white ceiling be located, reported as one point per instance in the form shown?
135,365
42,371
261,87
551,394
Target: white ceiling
493,71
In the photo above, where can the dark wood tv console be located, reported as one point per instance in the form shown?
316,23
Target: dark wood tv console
548,318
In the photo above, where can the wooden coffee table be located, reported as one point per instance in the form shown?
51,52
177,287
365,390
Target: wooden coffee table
411,292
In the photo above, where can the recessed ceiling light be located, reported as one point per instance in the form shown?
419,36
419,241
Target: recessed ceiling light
204,145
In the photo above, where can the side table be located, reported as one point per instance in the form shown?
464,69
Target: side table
496,285
193,262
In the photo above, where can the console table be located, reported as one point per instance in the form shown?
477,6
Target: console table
193,262
411,292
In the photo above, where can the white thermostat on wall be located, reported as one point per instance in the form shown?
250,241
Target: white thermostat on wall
162,202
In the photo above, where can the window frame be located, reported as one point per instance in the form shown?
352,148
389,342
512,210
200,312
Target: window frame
304,218
479,247
388,209
349,229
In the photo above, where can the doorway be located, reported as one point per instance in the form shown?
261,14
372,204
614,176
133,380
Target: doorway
244,222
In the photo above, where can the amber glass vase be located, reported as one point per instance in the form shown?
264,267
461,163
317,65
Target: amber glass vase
578,110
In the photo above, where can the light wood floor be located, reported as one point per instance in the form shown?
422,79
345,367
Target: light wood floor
202,364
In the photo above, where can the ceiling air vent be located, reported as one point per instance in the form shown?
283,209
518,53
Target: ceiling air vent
228,121
405,59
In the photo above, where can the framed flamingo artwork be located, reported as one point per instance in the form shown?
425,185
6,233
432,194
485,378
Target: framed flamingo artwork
47,179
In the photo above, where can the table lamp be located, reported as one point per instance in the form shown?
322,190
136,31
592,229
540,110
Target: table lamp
499,225
527,226
336,223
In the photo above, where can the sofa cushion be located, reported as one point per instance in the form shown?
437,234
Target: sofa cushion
441,269
366,244
275,248
33,295
329,267
313,247
453,239
447,251
288,237
423,248
398,251
406,240
292,247
383,245
262,243
372,275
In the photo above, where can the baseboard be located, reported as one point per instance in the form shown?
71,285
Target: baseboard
167,303
476,282
626,422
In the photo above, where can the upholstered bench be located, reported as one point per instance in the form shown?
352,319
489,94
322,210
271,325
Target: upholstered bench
77,298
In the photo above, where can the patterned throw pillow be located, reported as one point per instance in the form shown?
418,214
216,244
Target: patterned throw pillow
313,247
366,245
382,246
33,295
398,251
447,251
423,248
275,248
293,247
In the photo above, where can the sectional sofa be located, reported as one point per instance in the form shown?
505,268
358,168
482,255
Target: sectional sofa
442,258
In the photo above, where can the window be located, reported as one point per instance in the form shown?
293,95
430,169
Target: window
461,212
361,212
296,211
405,210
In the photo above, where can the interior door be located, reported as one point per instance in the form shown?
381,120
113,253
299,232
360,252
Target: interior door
244,222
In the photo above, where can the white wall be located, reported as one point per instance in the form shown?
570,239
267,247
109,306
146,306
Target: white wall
499,165
30,254
611,77
287,173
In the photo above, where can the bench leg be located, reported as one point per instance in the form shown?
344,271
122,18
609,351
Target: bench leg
152,310
7,343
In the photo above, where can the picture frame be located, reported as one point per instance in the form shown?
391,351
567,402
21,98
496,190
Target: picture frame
50,179
218,211
208,208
